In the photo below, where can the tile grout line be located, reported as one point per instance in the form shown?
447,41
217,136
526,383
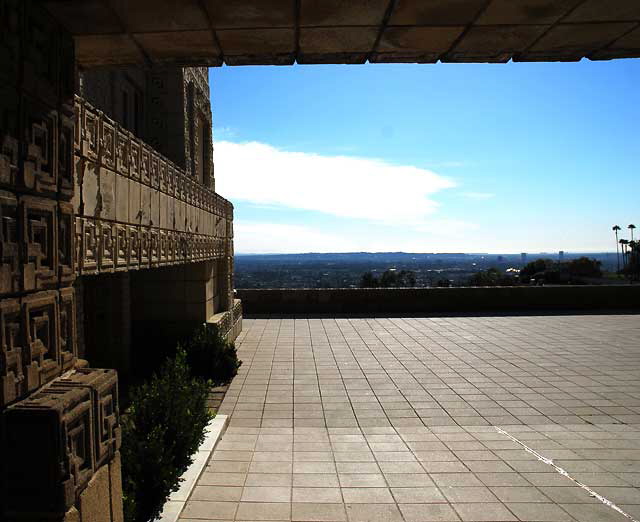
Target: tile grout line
563,472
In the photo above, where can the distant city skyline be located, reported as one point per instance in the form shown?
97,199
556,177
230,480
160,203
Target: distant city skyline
518,157
559,254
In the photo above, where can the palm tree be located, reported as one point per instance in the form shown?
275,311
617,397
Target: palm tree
615,229
632,228
624,243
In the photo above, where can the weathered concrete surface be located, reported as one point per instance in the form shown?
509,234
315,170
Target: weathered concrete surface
395,419
438,300
281,32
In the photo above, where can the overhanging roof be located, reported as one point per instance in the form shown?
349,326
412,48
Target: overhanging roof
282,32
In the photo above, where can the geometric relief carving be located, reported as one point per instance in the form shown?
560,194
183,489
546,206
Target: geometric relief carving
9,244
204,247
196,252
11,376
89,245
134,247
188,190
163,248
41,352
122,248
66,240
154,247
39,229
39,172
219,246
171,247
145,160
134,159
145,247
186,247
220,227
163,175
237,309
108,253
229,228
103,386
179,187
122,152
159,216
171,181
90,132
68,343
154,170
181,247
108,142
52,457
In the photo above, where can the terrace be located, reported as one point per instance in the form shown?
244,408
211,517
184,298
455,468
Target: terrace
331,419
430,419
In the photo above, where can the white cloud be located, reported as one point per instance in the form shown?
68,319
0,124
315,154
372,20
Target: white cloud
267,238
270,238
478,195
349,187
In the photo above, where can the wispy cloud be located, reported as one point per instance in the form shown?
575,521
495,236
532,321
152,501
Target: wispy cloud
350,187
224,133
251,237
478,195
270,238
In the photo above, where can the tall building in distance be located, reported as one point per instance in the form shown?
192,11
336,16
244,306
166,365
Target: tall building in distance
561,256
523,258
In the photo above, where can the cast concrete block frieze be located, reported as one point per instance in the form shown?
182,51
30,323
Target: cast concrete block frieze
51,435
62,437
39,341
136,208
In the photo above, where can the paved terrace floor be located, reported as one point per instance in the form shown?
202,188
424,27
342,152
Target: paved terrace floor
432,419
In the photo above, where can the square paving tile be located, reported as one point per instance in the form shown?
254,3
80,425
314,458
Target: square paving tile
367,495
428,513
484,512
373,513
266,494
365,419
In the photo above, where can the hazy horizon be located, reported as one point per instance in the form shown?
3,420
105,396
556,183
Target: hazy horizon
542,252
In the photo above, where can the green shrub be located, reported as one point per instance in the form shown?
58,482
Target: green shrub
162,428
211,357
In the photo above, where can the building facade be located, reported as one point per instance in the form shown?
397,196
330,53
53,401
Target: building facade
110,228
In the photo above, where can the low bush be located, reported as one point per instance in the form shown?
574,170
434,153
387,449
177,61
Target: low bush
161,430
210,356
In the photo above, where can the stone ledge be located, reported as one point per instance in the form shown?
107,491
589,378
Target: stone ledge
178,499
228,323
438,300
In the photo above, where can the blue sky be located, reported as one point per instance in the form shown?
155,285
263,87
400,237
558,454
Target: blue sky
428,158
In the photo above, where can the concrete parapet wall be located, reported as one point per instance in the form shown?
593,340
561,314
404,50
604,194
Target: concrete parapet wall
133,207
436,300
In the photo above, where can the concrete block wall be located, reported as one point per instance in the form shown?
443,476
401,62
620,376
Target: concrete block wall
80,196
438,300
